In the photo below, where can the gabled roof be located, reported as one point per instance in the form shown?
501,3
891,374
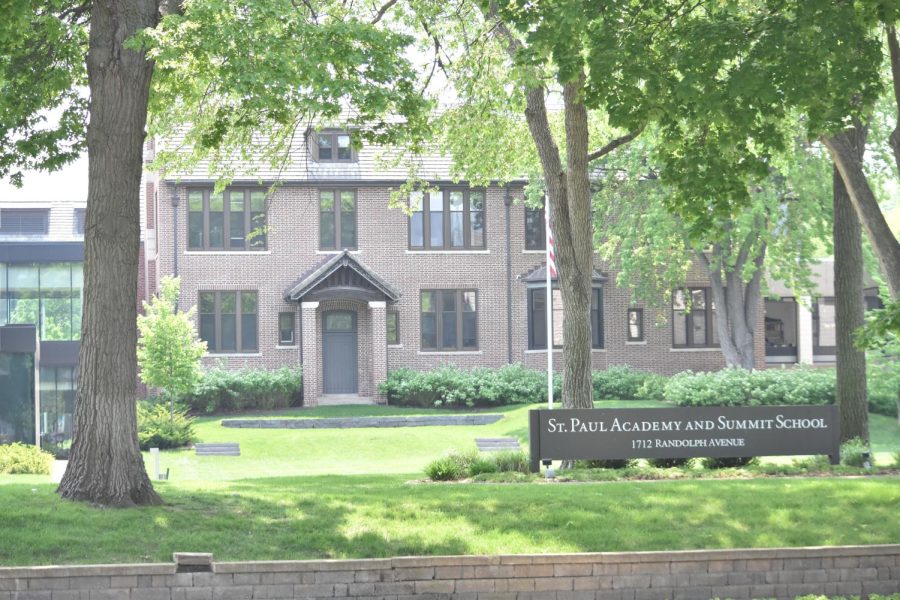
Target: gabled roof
538,274
318,277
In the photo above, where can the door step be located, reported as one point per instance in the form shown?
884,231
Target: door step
343,399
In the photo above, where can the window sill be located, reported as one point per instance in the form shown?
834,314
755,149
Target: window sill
558,350
281,347
231,355
395,345
449,352
448,251
336,251
636,343
225,252
534,251
698,349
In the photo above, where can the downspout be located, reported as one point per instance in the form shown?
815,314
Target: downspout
507,201
175,203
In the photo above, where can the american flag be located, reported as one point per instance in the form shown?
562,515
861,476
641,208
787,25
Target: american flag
551,248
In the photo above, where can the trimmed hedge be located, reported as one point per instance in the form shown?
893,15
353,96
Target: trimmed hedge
738,387
246,389
452,387
24,459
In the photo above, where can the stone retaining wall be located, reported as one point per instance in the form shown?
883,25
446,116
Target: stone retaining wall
766,573
352,422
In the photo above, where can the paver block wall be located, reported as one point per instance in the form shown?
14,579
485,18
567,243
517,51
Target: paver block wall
739,574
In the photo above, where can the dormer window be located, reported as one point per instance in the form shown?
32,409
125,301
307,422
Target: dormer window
334,146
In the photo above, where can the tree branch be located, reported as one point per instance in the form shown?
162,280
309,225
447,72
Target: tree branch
619,141
894,47
381,11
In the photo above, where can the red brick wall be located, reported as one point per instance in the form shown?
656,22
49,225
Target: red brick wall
383,247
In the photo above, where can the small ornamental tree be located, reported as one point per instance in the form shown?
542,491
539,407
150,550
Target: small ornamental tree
169,350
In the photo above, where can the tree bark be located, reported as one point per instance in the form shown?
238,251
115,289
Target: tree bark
849,165
894,50
849,306
105,465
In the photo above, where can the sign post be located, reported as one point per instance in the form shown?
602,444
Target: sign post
714,431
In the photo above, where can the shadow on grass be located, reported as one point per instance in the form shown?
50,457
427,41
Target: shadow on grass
381,516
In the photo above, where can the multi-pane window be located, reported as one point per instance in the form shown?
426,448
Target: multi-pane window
228,321
450,219
24,221
48,295
693,318
635,325
393,327
537,318
449,320
337,219
232,220
334,146
80,214
286,329
535,229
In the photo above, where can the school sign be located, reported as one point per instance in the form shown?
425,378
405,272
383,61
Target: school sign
717,431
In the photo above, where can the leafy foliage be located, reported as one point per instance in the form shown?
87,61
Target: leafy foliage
20,459
855,452
669,463
738,387
606,463
711,462
624,383
247,389
169,350
158,429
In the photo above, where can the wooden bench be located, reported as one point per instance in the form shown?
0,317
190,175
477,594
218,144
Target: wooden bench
497,444
218,449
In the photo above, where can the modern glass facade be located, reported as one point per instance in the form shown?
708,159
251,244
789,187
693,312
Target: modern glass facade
17,399
48,295
57,402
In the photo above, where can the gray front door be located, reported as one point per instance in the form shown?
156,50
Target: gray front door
340,352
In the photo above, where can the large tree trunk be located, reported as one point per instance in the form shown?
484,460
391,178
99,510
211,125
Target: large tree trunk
737,306
849,165
568,219
849,307
105,465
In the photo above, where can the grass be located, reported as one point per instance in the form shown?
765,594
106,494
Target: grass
378,516
299,494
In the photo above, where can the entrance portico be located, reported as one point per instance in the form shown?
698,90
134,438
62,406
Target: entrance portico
343,307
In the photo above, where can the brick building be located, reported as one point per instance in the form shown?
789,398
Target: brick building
322,274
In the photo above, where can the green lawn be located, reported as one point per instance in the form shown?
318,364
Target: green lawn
346,493
378,516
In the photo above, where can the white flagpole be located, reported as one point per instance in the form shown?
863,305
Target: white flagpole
549,303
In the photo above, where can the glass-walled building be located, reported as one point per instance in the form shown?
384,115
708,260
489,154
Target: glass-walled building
18,353
41,284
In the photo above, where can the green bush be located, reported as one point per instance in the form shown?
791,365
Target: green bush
24,459
618,383
739,387
452,387
247,389
157,430
711,462
653,388
853,453
883,380
452,466
896,458
669,463
455,465
482,465
606,463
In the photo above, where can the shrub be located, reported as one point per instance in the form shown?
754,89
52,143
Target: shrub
606,463
669,463
452,387
853,453
158,429
712,462
509,461
482,465
247,389
621,383
451,467
883,380
653,388
739,387
24,459
896,458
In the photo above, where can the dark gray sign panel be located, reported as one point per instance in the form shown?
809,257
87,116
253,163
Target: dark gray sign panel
717,431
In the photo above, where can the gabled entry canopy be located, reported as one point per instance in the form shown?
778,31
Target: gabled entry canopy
342,276
538,275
